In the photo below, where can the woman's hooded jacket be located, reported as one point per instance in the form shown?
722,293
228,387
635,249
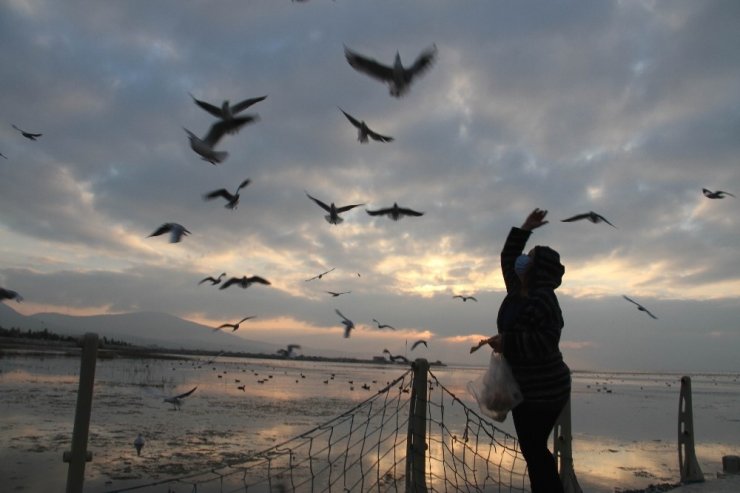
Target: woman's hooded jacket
530,325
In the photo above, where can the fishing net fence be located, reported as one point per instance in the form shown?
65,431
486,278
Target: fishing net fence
413,435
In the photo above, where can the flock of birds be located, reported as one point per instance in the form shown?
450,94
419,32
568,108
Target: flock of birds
229,119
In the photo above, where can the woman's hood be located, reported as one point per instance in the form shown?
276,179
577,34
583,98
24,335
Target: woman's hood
547,271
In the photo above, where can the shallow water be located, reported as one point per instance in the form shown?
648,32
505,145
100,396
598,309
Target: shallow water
625,426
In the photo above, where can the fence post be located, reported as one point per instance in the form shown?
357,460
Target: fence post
562,438
687,463
416,441
79,454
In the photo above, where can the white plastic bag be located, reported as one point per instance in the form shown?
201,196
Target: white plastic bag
496,390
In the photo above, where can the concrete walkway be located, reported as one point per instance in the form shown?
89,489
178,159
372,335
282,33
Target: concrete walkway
727,484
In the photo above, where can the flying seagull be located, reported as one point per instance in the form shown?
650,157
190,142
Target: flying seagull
288,353
335,294
383,326
212,280
397,77
465,298
205,146
227,112
234,327
394,212
348,324
176,231
3,155
177,399
232,201
244,282
719,194
9,294
639,306
28,135
420,341
395,358
319,276
333,210
363,131
591,216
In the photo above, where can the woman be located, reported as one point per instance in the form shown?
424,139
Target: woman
529,325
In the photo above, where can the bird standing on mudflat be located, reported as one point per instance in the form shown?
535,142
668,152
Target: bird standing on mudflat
232,200
398,77
176,231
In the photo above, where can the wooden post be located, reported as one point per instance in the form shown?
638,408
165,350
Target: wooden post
416,442
562,438
79,454
687,463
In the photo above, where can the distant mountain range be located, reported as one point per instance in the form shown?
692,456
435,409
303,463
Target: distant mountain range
143,328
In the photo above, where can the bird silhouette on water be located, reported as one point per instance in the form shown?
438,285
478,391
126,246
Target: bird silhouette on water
398,77
232,200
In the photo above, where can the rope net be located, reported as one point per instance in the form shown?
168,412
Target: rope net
365,449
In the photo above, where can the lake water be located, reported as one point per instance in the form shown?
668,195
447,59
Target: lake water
625,426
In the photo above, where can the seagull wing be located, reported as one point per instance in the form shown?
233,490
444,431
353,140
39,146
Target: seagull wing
345,208
209,278
243,105
212,109
245,319
377,137
352,119
472,298
605,220
258,279
165,228
417,343
229,282
222,127
423,61
343,317
409,212
649,313
726,193
631,300
378,212
368,65
577,217
221,192
244,184
320,203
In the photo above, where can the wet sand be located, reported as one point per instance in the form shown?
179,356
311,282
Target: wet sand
625,426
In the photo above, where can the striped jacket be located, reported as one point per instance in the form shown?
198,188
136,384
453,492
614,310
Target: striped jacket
530,325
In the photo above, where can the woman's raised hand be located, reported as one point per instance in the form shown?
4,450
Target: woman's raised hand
535,219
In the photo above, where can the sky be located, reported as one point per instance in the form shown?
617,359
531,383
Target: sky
625,108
